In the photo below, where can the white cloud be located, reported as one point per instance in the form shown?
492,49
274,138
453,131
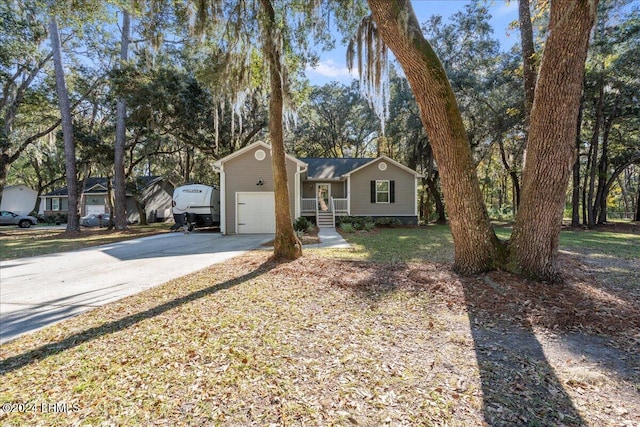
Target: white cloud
331,69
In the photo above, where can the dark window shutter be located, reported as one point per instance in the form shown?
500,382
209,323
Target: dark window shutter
373,191
392,191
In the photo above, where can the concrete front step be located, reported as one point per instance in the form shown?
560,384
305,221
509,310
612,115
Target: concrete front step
325,220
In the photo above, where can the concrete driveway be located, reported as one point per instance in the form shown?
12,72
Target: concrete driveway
39,291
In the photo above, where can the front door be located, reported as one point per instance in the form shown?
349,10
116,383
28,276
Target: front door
323,193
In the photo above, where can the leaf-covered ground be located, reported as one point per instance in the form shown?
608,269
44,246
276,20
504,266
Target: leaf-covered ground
20,242
327,341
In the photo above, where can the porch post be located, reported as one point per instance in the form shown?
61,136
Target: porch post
349,195
223,201
297,194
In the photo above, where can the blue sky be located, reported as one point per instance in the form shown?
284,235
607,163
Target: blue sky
332,66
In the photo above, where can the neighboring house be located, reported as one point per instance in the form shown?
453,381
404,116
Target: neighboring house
18,199
155,193
319,188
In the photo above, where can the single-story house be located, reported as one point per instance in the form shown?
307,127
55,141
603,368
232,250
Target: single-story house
156,195
18,199
322,189
155,192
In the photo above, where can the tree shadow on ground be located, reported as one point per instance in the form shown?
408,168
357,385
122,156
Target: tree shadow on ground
21,360
519,384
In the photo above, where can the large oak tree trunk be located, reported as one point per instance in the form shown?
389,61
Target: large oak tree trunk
476,245
286,243
73,220
551,148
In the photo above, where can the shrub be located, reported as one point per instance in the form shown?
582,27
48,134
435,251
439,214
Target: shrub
347,227
383,220
395,222
61,218
344,220
386,221
302,224
368,226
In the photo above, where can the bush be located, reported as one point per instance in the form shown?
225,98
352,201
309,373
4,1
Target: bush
386,221
383,220
395,222
302,224
61,218
347,227
368,226
358,222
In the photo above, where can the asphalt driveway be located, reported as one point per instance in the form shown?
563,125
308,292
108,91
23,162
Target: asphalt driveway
39,291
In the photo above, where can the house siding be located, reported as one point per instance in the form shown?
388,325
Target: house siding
243,172
157,197
405,197
64,205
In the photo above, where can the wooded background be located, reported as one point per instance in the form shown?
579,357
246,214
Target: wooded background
184,111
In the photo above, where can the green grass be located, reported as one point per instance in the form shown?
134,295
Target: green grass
19,243
435,243
623,245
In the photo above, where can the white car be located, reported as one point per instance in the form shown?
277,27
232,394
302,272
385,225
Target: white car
23,221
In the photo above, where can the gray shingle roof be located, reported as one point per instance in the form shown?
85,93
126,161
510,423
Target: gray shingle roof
93,181
332,168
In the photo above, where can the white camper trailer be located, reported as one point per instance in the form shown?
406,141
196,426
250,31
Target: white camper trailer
196,205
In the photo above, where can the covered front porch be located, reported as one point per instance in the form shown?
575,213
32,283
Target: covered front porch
325,211
324,201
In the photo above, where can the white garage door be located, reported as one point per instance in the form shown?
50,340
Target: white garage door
255,213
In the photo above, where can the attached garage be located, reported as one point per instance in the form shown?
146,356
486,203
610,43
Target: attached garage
255,212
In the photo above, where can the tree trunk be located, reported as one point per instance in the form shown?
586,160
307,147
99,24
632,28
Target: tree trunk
73,221
551,145
437,199
528,58
585,184
142,211
595,147
119,186
600,203
110,203
637,215
512,174
476,245
603,167
286,245
575,194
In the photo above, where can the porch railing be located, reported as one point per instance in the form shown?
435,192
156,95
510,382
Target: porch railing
341,206
309,206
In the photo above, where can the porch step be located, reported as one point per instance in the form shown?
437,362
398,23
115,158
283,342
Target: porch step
325,220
